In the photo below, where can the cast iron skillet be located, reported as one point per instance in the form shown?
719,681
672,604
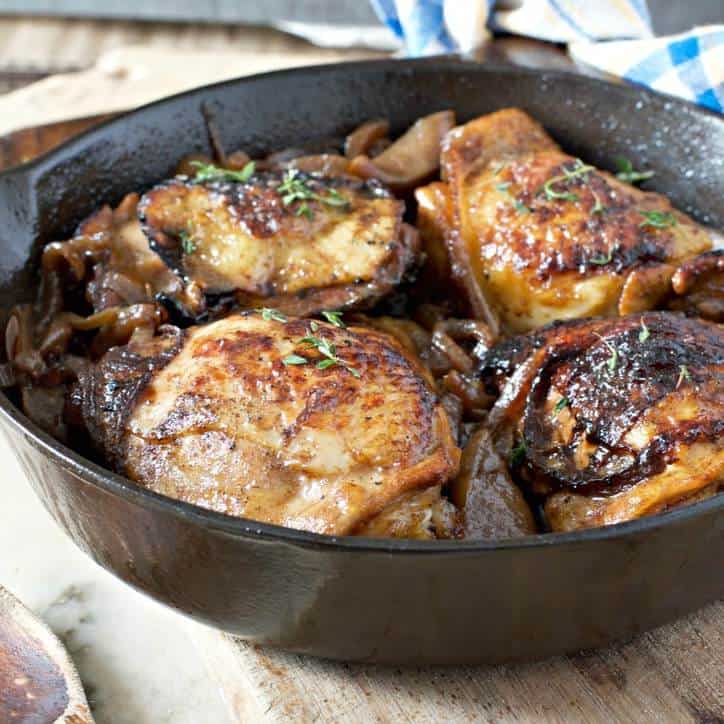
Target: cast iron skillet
351,598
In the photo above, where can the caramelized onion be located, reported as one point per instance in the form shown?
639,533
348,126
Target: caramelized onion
329,164
699,285
492,503
467,282
645,288
19,342
470,391
410,160
362,139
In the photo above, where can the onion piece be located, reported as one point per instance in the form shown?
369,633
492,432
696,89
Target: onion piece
410,160
329,164
361,140
493,505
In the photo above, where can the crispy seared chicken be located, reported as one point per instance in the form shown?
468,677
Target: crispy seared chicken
538,235
611,420
297,242
425,419
295,422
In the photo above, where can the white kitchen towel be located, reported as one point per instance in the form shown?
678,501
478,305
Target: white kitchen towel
613,36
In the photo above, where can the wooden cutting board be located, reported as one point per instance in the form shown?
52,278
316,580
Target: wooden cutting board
674,674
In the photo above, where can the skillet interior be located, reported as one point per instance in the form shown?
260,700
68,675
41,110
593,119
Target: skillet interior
592,119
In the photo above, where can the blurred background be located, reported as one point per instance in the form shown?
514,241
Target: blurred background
64,60
38,37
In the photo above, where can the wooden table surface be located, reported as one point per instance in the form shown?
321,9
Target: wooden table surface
673,674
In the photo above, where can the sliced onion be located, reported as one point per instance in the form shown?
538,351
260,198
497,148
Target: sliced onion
363,138
493,505
329,164
410,160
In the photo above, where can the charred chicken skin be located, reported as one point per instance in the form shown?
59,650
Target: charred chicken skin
289,421
611,420
297,242
542,236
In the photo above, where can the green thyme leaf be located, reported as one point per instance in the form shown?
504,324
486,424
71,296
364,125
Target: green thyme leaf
579,169
293,188
187,243
503,187
518,453
520,207
328,350
684,374
657,219
313,325
334,198
627,173
644,334
269,314
598,207
334,318
563,402
294,359
612,361
209,172
602,259
303,210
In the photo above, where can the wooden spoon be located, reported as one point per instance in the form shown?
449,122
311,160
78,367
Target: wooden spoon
38,682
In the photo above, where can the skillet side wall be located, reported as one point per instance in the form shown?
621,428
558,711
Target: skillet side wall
468,605
486,606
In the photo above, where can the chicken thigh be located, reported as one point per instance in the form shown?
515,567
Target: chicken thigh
539,235
611,420
302,423
297,242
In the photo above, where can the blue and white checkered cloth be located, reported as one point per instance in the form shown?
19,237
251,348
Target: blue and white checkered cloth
613,36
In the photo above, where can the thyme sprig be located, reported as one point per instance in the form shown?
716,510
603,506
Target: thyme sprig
627,173
598,207
209,172
268,314
327,349
602,259
612,362
293,188
684,374
657,219
644,334
563,402
579,169
187,243
334,318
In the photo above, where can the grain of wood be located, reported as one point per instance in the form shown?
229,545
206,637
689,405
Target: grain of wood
58,44
674,674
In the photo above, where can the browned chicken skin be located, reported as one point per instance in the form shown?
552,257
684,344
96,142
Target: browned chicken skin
614,419
548,237
229,417
299,242
389,428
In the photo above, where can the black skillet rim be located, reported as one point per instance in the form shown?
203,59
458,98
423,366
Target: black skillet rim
90,472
